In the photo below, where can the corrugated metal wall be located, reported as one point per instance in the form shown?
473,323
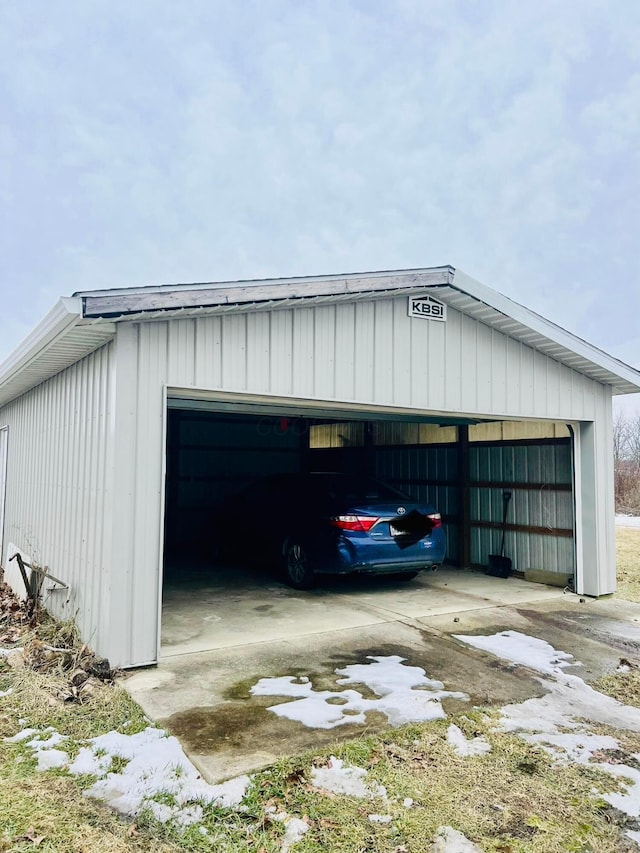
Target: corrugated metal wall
540,532
58,487
429,473
368,352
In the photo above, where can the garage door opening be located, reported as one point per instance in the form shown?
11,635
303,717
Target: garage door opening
462,469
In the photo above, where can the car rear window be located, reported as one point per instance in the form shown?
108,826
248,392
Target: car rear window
355,490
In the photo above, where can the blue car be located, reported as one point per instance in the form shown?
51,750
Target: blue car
330,523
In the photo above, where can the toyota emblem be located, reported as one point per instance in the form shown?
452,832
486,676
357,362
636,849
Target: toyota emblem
401,510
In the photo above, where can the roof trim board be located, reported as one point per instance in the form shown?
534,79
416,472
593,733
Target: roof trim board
202,296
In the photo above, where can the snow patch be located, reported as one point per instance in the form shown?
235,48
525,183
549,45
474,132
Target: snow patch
570,704
155,765
50,758
295,828
464,746
406,694
338,779
23,735
449,840
523,650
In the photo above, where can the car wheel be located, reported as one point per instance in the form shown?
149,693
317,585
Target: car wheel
405,576
299,573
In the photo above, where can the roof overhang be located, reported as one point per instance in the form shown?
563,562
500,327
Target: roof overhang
58,341
80,324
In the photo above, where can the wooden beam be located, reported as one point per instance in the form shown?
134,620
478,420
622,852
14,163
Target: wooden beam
563,532
202,297
541,487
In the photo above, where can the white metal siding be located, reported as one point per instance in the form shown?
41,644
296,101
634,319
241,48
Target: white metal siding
369,352
595,519
58,487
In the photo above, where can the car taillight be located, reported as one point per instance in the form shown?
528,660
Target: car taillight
436,519
362,523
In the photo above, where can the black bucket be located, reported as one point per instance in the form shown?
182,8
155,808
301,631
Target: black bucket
499,566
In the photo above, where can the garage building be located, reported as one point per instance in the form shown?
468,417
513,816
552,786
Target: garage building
128,413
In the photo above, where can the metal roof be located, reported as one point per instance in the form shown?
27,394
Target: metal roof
78,325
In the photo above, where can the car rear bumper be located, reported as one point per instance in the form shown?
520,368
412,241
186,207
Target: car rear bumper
361,554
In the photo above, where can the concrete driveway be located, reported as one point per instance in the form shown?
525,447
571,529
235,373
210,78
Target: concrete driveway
220,638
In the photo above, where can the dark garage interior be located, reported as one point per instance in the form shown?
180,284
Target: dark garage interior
463,468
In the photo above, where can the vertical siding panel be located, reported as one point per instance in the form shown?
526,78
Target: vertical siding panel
553,403
181,352
402,361
498,372
526,381
421,368
324,351
258,359
125,455
540,398
577,396
146,545
383,352
483,368
345,367
453,363
468,365
513,376
364,350
303,330
436,365
208,352
281,351
234,351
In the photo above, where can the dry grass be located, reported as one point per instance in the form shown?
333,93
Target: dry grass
513,800
47,811
628,563
623,686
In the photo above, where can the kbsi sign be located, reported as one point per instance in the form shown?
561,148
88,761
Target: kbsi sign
427,308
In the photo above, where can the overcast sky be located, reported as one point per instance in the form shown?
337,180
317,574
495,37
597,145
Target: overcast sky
152,142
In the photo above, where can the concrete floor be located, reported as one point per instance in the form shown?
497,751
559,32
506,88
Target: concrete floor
204,611
222,633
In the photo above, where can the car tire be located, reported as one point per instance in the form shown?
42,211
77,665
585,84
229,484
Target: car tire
298,571
405,576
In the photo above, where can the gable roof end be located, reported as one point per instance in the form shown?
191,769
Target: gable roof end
78,325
